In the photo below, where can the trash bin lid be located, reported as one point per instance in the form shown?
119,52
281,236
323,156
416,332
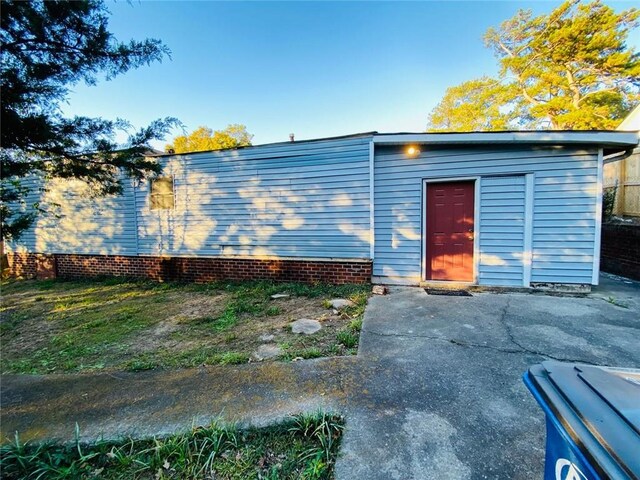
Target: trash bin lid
600,408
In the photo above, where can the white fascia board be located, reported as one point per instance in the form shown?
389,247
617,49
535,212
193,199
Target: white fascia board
614,139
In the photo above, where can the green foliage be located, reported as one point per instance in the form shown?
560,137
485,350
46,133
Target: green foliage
291,353
304,447
273,311
608,202
472,106
204,139
568,70
355,325
348,338
47,47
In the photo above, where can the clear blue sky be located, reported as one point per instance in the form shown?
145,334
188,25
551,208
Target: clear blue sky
316,69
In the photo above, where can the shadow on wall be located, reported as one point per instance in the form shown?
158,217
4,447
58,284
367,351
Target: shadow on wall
78,222
234,210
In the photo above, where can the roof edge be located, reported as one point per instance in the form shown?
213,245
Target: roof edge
549,137
272,144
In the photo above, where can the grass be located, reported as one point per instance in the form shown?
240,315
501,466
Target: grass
617,303
56,326
303,448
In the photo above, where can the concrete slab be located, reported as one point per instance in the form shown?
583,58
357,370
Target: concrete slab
434,393
457,407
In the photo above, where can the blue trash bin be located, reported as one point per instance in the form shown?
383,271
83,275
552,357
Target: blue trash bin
593,420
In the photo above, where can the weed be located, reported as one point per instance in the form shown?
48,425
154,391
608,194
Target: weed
355,325
347,338
617,303
232,358
140,364
304,447
291,353
273,310
227,320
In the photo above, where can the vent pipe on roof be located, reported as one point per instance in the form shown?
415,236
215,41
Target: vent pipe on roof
291,137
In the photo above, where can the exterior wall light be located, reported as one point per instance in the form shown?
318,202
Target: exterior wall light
412,151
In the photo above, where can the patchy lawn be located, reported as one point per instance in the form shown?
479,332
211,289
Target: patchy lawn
55,326
303,448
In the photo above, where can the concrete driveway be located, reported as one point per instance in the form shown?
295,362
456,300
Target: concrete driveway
455,406
434,393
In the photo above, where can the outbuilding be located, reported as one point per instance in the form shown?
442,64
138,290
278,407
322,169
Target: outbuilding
515,209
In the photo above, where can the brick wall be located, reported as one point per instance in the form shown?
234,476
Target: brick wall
31,265
198,269
620,252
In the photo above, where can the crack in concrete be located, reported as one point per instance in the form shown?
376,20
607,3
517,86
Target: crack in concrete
502,319
459,343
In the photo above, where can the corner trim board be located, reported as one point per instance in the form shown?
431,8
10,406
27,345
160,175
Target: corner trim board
527,257
598,213
372,227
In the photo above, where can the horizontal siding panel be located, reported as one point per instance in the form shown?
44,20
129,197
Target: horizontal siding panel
501,235
500,196
563,223
566,276
506,229
587,209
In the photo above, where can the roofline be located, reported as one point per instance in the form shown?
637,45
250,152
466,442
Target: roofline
273,144
547,137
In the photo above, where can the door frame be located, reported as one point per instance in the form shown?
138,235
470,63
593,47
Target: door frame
476,225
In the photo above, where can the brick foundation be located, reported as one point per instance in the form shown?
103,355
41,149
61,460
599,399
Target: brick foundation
31,265
620,252
193,269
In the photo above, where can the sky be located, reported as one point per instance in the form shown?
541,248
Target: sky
313,69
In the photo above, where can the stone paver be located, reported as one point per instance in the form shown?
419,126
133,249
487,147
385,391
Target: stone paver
266,352
305,326
434,393
276,296
340,303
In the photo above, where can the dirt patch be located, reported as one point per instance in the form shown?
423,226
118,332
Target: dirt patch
51,327
191,306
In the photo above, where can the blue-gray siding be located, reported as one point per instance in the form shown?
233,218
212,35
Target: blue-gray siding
301,200
565,199
78,222
306,199
501,241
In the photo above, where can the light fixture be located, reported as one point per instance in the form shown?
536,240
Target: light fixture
412,151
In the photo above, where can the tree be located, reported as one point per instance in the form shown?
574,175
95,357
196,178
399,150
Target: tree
203,139
568,70
481,104
47,47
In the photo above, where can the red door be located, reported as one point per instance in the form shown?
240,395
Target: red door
449,230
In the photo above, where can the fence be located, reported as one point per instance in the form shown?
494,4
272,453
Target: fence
625,174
